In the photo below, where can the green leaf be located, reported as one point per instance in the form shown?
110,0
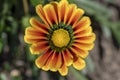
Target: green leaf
2,24
5,8
17,78
13,24
1,45
36,2
25,21
7,66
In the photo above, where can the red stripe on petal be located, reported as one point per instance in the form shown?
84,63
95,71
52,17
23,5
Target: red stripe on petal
42,59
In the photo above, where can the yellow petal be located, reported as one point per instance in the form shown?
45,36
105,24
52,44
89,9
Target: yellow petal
39,47
63,70
79,64
41,13
42,59
82,24
50,14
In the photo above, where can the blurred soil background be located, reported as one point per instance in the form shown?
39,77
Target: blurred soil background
17,63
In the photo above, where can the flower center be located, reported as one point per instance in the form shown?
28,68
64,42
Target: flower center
60,38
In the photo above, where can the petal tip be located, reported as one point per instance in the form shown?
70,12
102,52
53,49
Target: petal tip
25,39
63,70
32,50
37,63
79,64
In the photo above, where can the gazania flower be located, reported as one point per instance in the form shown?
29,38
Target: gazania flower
62,38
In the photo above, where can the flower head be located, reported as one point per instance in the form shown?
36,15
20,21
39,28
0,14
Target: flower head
63,38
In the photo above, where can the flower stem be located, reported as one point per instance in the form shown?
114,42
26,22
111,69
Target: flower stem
25,6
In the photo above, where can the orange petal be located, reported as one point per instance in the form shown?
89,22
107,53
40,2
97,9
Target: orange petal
62,6
33,39
55,5
82,24
57,62
63,70
75,16
79,64
85,39
41,27
32,31
32,35
79,52
41,13
84,46
83,33
68,58
37,48
66,15
49,62
42,59
50,14
69,11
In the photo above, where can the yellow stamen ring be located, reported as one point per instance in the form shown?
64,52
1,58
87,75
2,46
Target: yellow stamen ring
60,38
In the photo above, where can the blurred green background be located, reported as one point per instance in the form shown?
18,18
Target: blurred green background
17,63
